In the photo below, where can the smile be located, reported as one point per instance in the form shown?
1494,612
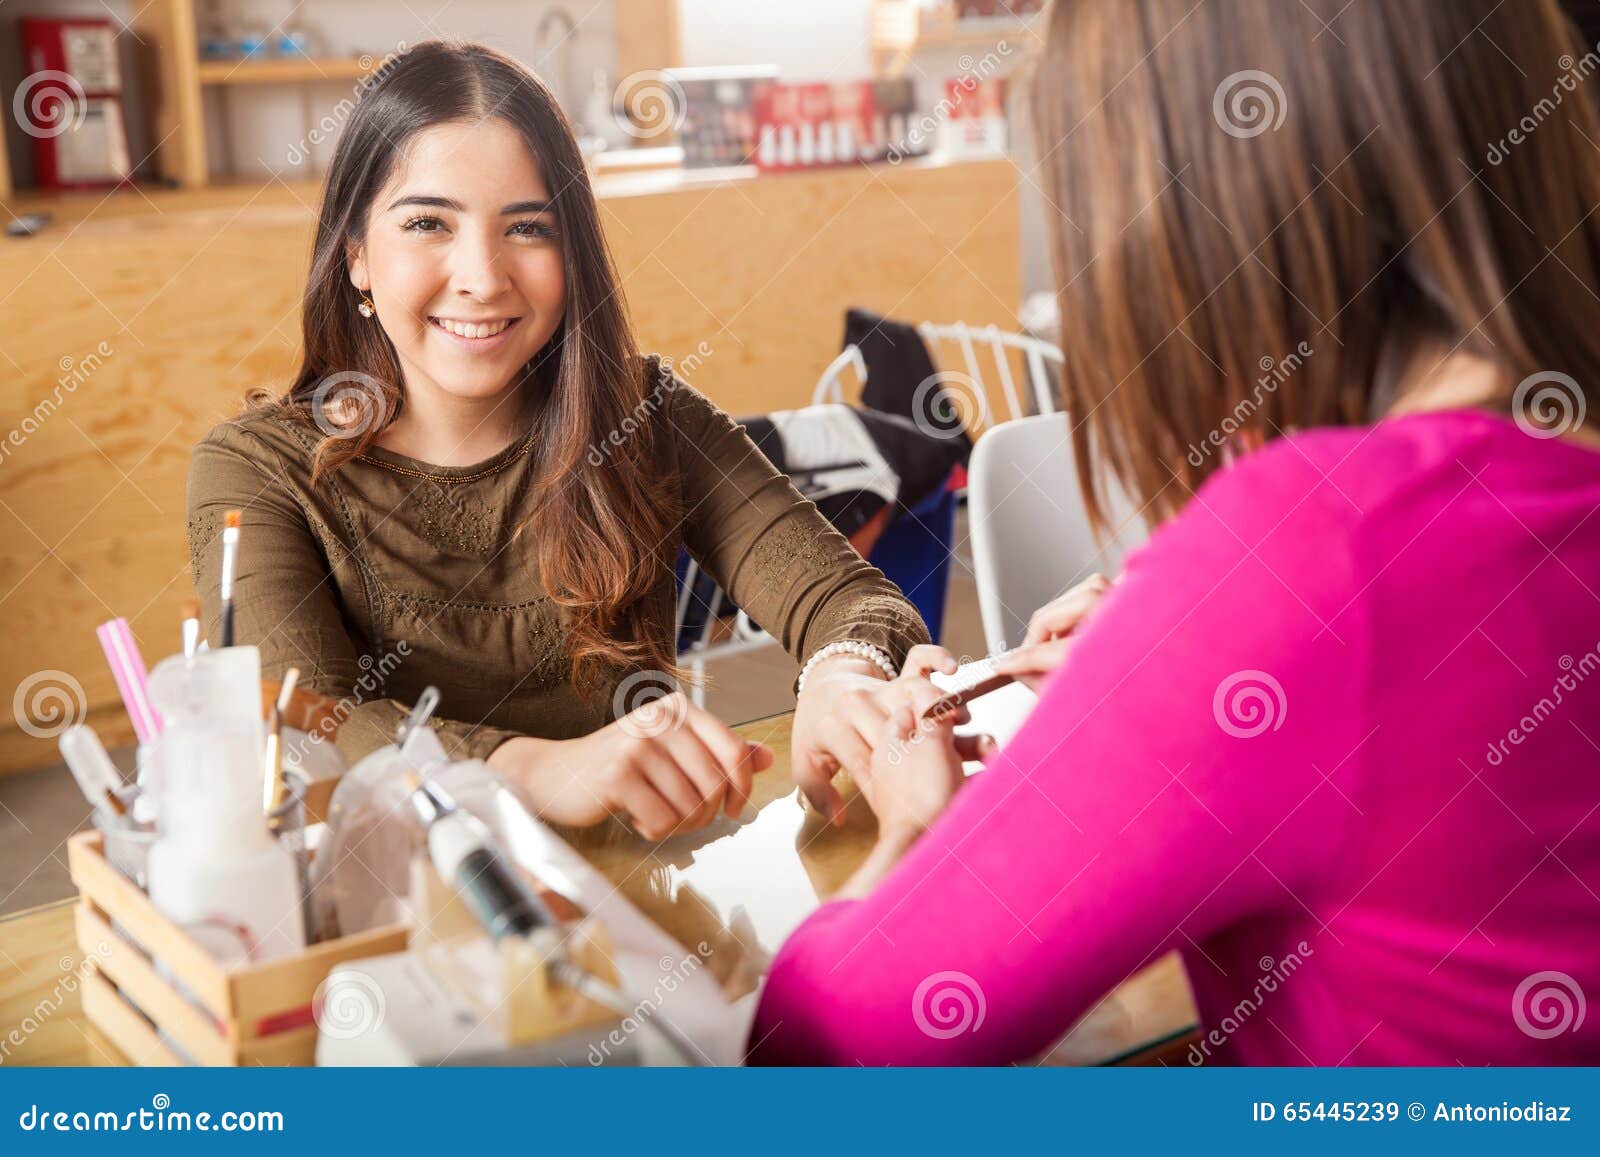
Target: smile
475,331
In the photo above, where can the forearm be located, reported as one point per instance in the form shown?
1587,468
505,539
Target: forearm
885,854
366,727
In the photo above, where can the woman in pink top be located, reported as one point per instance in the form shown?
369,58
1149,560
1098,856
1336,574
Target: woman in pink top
1335,735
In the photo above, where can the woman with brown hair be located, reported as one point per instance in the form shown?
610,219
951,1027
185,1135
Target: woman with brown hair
1329,277
476,481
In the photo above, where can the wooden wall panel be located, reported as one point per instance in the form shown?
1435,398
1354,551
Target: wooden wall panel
196,294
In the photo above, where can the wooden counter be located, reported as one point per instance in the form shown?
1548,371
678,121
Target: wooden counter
741,887
138,320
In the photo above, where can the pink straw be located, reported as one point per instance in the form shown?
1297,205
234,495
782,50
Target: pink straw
127,665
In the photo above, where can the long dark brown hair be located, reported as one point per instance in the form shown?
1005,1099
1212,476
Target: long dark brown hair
1267,213
602,534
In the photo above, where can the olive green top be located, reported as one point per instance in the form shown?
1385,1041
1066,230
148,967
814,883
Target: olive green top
392,574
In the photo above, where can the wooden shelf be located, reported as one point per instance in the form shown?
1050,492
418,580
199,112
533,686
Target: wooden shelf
901,29
284,70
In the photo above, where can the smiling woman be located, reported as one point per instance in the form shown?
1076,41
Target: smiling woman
426,481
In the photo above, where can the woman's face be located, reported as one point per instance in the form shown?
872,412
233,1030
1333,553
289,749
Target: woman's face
462,258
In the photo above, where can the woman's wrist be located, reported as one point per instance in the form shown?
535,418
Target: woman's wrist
869,653
518,759
842,663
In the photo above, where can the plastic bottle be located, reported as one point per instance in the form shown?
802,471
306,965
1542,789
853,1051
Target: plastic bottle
216,868
361,874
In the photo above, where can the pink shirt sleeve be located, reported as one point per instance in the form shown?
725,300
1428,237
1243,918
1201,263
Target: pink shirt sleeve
1182,772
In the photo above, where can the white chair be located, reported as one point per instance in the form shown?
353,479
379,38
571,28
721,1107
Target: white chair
998,347
1028,525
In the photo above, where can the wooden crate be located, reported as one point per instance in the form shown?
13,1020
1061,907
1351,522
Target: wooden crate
257,1015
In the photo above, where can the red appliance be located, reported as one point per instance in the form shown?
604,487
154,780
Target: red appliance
70,103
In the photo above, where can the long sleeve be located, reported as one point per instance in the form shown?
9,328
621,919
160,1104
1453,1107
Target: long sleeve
1192,765
771,549
284,601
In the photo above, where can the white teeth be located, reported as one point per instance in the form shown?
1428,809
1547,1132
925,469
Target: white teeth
463,329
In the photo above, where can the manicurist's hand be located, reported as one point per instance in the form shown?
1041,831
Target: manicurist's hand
840,715
1050,631
668,766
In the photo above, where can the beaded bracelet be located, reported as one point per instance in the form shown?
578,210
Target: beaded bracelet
847,647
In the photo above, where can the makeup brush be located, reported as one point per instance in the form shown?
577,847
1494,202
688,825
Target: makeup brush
230,550
274,790
191,626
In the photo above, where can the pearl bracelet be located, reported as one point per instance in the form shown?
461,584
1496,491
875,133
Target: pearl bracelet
847,647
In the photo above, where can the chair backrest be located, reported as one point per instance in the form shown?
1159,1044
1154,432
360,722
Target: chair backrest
982,354
1029,529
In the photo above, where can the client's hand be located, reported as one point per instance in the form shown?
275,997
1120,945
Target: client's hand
668,766
1050,631
915,771
840,715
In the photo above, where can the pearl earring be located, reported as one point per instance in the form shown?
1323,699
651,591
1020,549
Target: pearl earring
366,308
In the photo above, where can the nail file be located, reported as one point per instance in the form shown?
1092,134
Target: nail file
971,681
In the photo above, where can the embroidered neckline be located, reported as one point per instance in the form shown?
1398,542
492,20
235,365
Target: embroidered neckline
401,464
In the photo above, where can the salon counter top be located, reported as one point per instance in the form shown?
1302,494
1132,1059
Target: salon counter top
611,181
739,887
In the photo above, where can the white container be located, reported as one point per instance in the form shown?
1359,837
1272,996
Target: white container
216,869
